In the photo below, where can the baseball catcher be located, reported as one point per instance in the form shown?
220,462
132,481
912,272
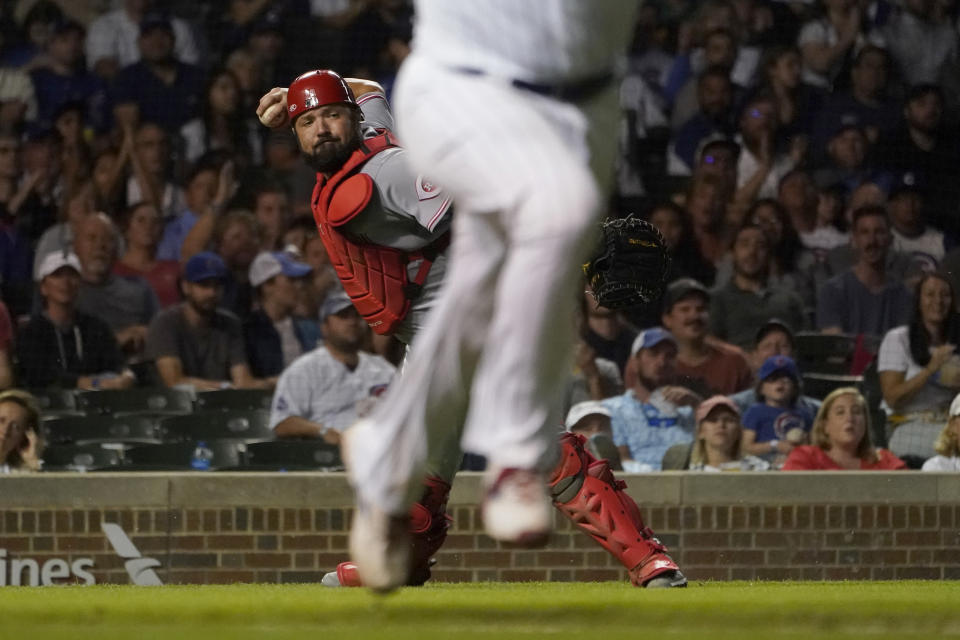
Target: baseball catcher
386,231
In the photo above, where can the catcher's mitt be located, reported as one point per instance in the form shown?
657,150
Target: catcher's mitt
631,267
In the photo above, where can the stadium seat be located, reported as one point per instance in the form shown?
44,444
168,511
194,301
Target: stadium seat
182,456
234,400
82,457
158,401
677,457
821,353
56,402
293,455
248,426
819,385
131,429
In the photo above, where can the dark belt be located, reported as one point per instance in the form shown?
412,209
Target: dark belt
567,92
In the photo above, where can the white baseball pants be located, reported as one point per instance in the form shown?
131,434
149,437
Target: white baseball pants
528,174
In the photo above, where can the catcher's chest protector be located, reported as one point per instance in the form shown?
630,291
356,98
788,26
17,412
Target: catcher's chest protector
375,277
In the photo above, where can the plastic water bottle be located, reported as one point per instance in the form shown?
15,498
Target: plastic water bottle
202,456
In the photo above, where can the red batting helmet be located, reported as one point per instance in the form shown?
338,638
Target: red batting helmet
314,89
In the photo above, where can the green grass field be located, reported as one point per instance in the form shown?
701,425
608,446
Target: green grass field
597,611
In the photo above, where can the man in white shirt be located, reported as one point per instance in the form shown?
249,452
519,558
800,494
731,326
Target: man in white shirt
112,39
323,392
911,234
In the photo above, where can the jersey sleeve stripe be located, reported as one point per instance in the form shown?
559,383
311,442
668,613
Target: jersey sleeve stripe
439,214
370,96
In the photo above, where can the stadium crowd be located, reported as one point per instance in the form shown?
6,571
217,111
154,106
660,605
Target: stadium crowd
802,160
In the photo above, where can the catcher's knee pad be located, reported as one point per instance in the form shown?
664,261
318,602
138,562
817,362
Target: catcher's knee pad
428,527
585,490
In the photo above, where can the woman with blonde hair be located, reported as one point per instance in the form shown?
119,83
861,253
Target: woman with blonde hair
20,442
719,438
841,439
947,445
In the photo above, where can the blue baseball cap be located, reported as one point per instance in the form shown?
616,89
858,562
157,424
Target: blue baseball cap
651,338
269,264
205,265
779,364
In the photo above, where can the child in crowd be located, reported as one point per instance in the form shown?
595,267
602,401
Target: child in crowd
776,423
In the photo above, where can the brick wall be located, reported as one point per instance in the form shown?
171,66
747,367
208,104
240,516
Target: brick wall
210,528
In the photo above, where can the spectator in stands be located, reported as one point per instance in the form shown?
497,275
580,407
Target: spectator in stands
778,421
775,338
829,40
740,307
284,164
920,41
64,79
865,101
719,51
325,391
947,445
653,414
685,257
796,101
919,369
271,207
925,147
786,252
150,179
715,99
717,444
113,37
21,446
591,419
108,175
707,210
159,87
274,337
206,191
38,24
762,164
76,156
223,124
126,304
195,342
924,245
236,238
18,102
142,226
841,439
607,333
799,197
847,159
62,346
77,207
706,366
865,299
591,377
6,348
42,185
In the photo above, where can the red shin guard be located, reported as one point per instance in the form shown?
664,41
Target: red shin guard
428,528
585,490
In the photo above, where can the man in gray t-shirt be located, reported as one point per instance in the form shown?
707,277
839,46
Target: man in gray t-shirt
865,299
195,342
127,305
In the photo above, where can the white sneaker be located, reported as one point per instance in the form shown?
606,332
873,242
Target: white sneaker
380,547
516,508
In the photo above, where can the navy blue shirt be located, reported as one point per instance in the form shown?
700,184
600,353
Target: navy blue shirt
773,423
170,106
54,90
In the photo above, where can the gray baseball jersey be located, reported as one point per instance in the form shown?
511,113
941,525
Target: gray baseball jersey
407,211
320,388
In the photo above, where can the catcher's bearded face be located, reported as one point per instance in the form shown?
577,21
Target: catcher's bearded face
328,136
